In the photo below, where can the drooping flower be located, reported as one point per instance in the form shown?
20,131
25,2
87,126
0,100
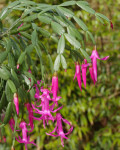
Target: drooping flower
111,24
84,70
16,102
46,108
25,139
12,124
30,111
18,65
55,87
59,128
94,58
78,75
92,73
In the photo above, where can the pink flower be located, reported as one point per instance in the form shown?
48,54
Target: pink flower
92,74
25,139
30,111
111,24
84,70
78,75
59,128
55,88
46,109
12,123
18,66
94,58
16,102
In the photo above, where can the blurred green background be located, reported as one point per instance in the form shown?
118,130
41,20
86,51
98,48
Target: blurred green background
94,112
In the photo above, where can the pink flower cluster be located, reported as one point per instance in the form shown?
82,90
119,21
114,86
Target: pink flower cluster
45,109
92,69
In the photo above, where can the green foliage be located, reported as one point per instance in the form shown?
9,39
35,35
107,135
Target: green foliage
94,112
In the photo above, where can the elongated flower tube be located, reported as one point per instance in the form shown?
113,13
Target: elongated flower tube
92,74
46,109
55,88
78,75
84,70
25,139
94,58
30,111
59,128
12,124
16,102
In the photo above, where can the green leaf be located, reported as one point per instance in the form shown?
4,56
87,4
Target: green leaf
26,79
72,41
74,32
26,35
2,101
30,18
4,74
83,3
63,61
21,58
57,63
85,55
8,92
5,13
24,27
57,28
81,23
11,60
8,113
3,56
69,3
66,11
102,16
47,9
29,48
15,78
34,38
86,8
45,19
44,32
61,21
12,86
50,62
91,36
61,45
100,19
13,4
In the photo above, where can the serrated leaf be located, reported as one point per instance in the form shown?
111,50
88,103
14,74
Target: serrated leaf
57,63
91,36
72,41
57,28
66,11
61,45
69,3
85,55
102,16
63,61
86,8
81,23
45,19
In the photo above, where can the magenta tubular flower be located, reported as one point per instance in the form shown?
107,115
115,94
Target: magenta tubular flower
12,124
84,70
46,109
18,66
55,88
94,58
78,75
92,74
59,128
30,111
16,102
25,139
37,94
